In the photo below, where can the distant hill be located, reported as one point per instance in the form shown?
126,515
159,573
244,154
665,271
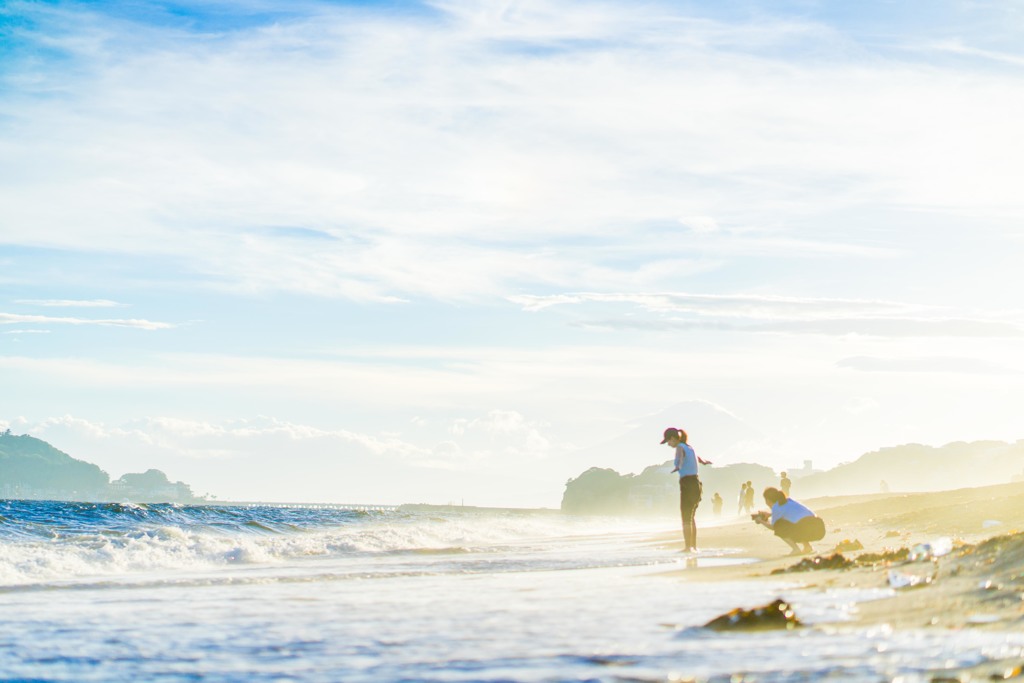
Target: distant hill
914,467
30,465
656,489
907,468
30,468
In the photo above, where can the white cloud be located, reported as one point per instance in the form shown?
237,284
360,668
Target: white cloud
290,460
935,364
71,303
700,224
447,154
860,405
503,433
17,318
761,307
235,439
957,46
678,311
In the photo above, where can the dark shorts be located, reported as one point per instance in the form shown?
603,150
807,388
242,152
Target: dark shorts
806,530
690,491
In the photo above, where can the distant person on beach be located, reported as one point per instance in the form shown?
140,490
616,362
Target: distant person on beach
785,483
748,497
792,522
689,483
742,499
716,504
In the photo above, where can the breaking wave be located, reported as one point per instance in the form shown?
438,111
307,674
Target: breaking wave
47,541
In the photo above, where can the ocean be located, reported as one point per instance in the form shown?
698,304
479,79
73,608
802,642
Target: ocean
120,592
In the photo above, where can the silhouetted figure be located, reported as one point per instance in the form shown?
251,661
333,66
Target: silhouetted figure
690,488
716,504
792,522
884,486
785,483
741,501
748,497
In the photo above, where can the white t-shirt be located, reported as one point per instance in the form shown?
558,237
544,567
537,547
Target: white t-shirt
791,511
686,460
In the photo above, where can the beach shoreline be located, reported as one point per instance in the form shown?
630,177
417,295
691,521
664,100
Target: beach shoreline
979,583
267,594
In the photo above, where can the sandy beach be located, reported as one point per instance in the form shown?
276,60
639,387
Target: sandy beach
979,583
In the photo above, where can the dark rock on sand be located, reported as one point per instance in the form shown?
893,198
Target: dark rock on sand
776,615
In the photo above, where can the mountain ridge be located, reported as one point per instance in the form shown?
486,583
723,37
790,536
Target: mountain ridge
31,468
906,468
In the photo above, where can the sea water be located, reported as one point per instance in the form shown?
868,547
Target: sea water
115,592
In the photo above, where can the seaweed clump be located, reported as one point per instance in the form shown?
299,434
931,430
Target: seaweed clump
834,561
1000,552
778,614
840,561
899,555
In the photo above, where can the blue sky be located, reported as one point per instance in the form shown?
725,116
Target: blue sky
455,251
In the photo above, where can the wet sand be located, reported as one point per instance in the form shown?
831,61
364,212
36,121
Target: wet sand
979,584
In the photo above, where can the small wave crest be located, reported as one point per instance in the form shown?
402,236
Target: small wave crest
51,540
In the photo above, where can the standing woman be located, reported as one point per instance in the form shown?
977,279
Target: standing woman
689,484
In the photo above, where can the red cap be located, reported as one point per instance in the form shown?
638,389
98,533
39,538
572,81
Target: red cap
670,432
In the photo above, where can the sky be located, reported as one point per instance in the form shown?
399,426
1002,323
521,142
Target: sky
461,251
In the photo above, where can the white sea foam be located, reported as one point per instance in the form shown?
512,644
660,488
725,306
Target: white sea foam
141,548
